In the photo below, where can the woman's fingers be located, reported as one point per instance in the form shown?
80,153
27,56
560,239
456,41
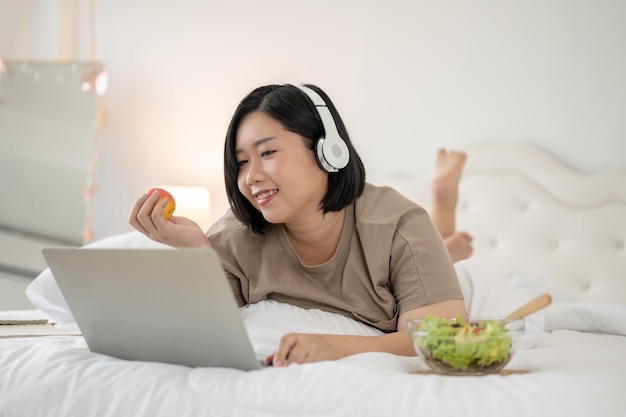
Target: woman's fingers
284,352
133,217
147,215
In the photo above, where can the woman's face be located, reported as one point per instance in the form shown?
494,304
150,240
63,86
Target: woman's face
278,174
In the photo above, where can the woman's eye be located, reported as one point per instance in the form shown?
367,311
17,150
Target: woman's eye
267,153
241,163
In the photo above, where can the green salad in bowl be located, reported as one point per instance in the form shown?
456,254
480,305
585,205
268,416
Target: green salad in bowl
465,346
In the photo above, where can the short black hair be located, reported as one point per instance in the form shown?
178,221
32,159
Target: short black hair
291,107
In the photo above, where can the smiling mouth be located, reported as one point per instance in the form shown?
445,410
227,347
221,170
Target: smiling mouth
265,194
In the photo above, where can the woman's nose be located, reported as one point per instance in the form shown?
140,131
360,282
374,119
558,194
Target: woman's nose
255,173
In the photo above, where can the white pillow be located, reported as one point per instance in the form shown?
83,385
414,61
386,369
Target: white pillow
570,313
44,293
266,321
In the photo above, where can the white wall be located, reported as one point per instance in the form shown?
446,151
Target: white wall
408,76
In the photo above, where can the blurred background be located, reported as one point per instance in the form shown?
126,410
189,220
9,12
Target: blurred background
408,76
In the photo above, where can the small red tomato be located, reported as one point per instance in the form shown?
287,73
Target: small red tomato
171,203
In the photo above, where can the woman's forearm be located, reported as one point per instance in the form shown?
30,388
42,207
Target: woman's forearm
397,343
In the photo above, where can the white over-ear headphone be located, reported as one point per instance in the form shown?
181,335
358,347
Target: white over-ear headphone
332,151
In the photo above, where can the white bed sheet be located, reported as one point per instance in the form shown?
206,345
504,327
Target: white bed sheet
568,373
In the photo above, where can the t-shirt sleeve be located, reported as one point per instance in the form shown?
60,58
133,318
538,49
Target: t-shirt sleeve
235,286
421,271
223,237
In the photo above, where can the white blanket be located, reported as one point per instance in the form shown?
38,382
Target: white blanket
586,316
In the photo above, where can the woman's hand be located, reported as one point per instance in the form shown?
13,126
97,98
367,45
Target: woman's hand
304,347
146,216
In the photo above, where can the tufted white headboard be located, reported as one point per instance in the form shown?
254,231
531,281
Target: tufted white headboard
533,216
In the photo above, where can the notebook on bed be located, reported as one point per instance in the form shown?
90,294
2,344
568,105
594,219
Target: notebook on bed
172,306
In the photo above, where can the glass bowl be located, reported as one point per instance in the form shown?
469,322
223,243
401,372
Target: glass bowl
473,346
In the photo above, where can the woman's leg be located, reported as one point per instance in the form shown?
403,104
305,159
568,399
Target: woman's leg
444,200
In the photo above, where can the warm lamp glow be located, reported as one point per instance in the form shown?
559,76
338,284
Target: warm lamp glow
193,203
95,81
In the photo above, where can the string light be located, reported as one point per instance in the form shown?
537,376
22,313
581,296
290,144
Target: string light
96,82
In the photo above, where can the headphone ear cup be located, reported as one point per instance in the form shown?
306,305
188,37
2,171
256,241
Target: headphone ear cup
332,153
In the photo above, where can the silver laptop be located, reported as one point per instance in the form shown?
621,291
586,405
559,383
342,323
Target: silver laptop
161,305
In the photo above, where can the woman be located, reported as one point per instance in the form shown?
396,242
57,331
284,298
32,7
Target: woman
313,235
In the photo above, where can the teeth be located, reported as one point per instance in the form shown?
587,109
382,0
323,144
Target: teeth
266,194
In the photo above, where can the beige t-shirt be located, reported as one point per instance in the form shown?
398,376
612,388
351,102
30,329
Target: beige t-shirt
390,259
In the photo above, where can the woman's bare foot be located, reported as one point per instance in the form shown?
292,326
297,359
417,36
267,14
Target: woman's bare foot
459,245
444,189
448,170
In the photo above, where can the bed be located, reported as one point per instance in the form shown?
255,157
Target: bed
538,227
